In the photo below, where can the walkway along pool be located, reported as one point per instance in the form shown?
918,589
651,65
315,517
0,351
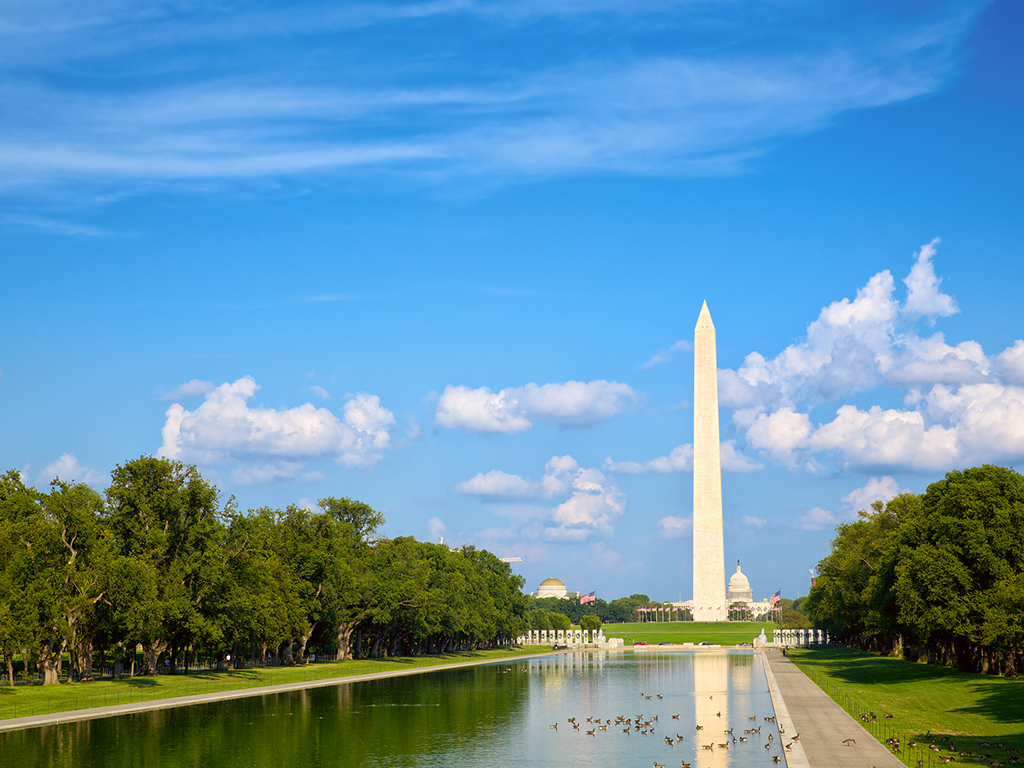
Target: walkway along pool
493,716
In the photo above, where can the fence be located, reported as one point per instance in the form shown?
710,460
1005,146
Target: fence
900,742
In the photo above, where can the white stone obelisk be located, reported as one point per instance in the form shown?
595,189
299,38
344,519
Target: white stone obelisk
708,549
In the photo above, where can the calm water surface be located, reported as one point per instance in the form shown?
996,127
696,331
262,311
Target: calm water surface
493,716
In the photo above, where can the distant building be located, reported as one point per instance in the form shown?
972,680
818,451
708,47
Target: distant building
739,590
553,588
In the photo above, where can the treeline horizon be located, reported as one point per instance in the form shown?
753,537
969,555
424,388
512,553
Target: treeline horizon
935,577
158,561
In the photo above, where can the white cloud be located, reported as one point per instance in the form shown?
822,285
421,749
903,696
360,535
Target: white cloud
886,438
734,461
754,522
781,433
924,299
667,355
225,428
877,489
498,484
436,528
988,419
591,509
191,388
817,519
262,474
1010,363
681,460
960,405
572,404
320,392
672,527
69,469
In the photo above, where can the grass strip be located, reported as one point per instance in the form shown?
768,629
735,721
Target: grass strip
28,700
719,633
973,719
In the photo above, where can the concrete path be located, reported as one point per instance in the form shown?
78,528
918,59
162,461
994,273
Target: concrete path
35,721
821,723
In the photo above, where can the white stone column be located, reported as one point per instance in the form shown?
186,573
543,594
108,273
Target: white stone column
708,549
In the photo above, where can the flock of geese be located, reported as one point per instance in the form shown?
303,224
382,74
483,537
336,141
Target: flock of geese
648,725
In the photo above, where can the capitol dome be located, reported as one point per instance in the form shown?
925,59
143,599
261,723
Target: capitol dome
739,590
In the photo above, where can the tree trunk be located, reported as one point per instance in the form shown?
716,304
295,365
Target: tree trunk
83,657
286,653
150,656
9,658
344,635
303,639
50,661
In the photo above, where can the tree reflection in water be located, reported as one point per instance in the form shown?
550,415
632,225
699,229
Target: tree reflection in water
491,716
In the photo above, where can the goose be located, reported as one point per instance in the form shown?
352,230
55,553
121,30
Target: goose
848,742
555,726
776,759
675,717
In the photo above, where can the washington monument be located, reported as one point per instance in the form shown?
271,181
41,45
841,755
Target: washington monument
708,550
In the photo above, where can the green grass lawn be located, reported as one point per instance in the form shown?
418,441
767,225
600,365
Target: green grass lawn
720,633
963,707
23,700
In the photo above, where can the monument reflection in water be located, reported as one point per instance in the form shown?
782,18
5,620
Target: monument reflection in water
498,715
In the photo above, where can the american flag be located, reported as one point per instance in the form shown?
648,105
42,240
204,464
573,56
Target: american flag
588,598
775,598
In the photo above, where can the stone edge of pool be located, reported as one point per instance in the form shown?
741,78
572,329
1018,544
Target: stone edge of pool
94,713
795,756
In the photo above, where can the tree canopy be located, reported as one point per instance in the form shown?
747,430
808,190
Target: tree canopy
160,562
938,575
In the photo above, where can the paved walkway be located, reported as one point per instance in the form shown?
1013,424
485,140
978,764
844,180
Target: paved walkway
821,723
35,721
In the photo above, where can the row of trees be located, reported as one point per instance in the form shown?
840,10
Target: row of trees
938,576
158,562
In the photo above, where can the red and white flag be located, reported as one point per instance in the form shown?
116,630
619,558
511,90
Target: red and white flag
774,599
588,598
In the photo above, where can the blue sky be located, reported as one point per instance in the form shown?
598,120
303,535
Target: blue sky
446,258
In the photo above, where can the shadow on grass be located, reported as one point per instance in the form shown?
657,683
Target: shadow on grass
996,699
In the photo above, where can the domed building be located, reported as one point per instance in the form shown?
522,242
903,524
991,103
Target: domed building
739,590
553,588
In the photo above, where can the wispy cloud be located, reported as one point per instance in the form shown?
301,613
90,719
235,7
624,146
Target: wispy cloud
597,101
667,355
34,223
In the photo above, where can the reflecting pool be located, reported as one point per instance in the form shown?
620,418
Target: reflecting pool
493,716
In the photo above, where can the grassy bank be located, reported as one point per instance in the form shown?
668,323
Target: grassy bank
23,701
720,633
966,709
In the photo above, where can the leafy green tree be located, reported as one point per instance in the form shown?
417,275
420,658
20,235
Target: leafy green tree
165,516
19,513
559,621
960,557
590,623
539,619
74,513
